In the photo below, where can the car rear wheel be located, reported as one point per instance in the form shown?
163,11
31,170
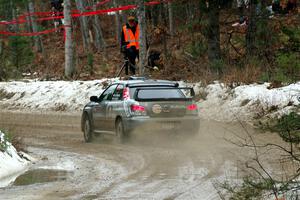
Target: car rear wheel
120,131
88,130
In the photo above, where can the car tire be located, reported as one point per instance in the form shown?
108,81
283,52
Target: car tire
122,136
87,130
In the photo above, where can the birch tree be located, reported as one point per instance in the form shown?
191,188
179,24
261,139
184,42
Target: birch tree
37,39
142,37
69,67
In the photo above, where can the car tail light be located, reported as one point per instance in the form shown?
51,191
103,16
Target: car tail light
192,107
138,110
126,94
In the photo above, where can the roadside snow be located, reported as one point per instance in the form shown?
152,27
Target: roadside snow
221,102
48,95
248,101
11,164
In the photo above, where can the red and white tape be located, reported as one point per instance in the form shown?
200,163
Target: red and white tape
47,16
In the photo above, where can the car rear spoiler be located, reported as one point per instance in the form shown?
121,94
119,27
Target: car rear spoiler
192,94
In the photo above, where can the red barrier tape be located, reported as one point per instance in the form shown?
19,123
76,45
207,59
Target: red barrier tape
51,13
75,14
42,14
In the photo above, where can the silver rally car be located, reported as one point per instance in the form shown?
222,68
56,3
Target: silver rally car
140,105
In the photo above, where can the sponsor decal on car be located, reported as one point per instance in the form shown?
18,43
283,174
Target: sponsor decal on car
156,109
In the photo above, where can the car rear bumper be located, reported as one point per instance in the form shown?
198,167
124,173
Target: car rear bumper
188,124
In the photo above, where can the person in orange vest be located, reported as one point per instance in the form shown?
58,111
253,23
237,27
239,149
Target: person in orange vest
130,43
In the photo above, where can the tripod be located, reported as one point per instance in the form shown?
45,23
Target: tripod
126,63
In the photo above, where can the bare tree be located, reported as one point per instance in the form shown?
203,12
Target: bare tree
251,31
15,27
69,67
1,46
100,42
263,178
143,34
84,25
37,39
164,22
171,19
118,23
213,32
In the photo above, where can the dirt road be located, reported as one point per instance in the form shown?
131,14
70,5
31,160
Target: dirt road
149,167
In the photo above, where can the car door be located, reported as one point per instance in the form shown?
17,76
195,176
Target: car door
100,109
114,107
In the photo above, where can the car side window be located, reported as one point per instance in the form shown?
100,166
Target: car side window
118,94
107,95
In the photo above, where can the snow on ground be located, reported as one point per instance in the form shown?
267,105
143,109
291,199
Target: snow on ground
48,95
247,102
219,102
11,164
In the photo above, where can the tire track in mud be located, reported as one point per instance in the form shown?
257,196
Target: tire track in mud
143,169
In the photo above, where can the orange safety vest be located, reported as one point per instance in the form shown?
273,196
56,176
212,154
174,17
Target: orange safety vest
129,37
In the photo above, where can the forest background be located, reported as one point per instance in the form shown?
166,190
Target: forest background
196,40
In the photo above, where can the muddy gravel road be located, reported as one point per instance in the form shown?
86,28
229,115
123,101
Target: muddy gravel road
156,166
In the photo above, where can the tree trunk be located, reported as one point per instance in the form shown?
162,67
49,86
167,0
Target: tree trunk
1,46
190,11
143,35
100,43
164,23
69,67
118,23
251,31
154,15
213,32
15,27
84,26
37,39
171,19
28,22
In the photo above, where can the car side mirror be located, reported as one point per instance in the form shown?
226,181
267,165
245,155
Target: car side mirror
94,99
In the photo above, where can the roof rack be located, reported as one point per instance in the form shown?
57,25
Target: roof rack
137,78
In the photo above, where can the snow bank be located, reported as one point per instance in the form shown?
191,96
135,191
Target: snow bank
248,101
11,164
48,95
221,103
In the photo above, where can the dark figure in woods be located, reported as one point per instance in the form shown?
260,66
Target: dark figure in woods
57,5
153,59
130,43
243,6
57,8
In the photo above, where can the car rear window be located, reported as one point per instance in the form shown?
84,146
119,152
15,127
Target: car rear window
157,93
